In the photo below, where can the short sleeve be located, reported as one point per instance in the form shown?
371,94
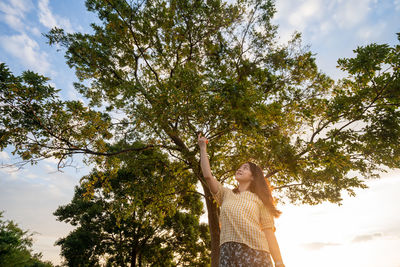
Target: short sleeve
220,195
266,218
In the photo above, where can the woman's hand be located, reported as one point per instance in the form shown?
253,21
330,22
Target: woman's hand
202,141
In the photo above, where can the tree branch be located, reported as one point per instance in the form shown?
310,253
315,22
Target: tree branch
136,42
286,186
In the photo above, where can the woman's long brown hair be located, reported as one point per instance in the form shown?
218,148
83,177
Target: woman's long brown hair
262,188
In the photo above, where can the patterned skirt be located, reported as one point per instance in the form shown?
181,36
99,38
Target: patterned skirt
233,254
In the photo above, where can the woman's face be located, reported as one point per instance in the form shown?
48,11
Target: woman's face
243,174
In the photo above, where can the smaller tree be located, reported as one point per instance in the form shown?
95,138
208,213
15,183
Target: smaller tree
144,215
15,246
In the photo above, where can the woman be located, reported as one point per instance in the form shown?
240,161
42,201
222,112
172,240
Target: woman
247,216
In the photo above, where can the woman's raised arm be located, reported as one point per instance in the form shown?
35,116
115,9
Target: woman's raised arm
205,165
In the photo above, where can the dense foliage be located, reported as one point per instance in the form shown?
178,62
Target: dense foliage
146,217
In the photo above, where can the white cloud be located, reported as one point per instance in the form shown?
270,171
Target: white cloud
49,169
364,229
24,5
34,31
52,159
371,31
366,237
14,12
31,176
13,21
27,51
21,45
325,27
319,245
9,172
318,18
303,16
308,9
4,155
50,20
397,4
350,13
31,202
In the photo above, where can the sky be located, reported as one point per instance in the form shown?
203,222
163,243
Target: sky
363,231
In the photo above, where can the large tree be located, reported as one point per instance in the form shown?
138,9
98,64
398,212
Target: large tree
141,218
174,68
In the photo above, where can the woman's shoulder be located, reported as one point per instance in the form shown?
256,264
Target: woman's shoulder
225,190
256,198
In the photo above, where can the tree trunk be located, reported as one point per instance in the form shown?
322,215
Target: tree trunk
213,220
213,224
133,256
140,259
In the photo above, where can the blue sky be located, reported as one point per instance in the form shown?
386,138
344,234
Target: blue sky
364,231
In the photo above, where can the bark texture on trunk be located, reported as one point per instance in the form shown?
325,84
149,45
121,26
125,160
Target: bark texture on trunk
140,259
133,256
213,223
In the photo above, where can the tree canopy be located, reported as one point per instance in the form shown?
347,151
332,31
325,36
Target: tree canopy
146,216
174,68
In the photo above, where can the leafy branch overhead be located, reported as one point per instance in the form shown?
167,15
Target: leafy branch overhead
178,67
40,125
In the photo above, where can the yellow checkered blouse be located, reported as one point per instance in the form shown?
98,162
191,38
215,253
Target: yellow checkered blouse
243,218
